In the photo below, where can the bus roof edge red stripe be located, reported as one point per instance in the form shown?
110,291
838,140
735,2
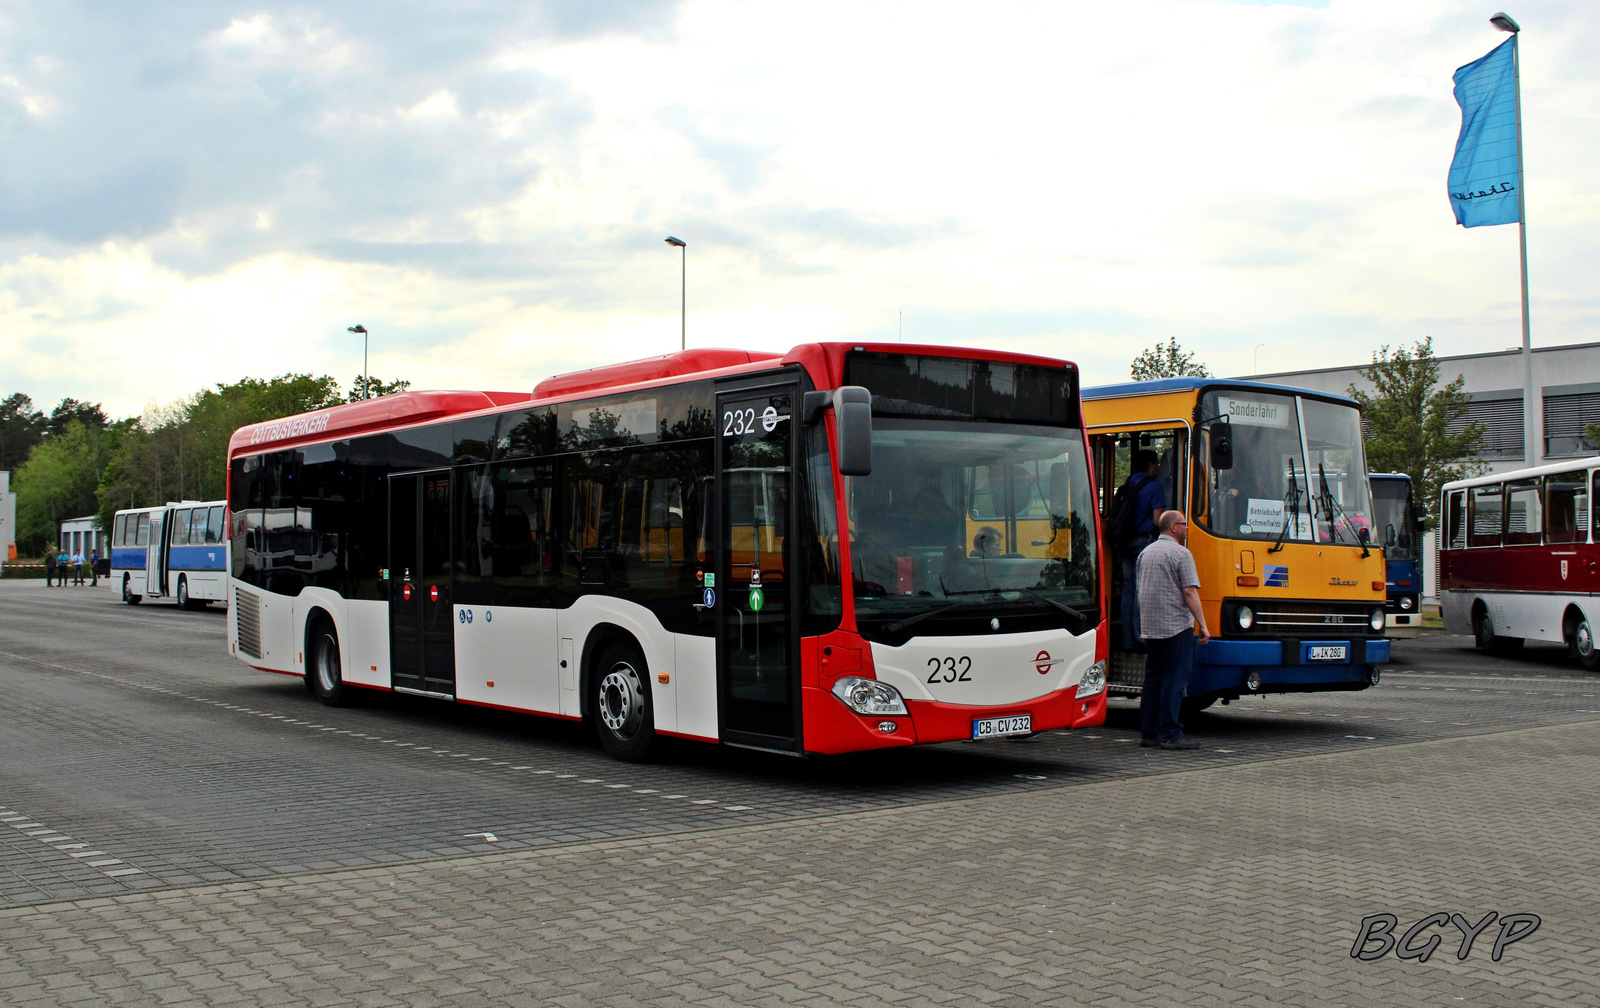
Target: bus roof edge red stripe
368,414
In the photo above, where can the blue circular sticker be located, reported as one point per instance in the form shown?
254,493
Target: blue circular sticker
711,597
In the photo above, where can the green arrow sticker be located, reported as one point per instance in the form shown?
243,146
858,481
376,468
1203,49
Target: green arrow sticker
757,600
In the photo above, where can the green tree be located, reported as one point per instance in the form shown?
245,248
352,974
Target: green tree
360,384
1167,360
21,427
1591,434
57,482
68,410
1407,417
179,451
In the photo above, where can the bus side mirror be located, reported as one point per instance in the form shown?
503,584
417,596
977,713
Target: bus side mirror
852,413
1421,512
1222,446
1060,495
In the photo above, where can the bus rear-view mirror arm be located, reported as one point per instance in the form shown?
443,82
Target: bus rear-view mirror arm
852,413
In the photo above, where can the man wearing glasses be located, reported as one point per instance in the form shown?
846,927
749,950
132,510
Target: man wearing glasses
1169,609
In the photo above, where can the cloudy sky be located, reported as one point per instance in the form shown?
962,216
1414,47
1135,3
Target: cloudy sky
194,192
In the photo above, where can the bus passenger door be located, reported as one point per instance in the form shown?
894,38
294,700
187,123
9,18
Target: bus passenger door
155,568
753,597
421,614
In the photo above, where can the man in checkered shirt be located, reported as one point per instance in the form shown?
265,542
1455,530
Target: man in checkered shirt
1169,609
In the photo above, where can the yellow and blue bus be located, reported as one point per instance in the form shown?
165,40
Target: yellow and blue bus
1273,481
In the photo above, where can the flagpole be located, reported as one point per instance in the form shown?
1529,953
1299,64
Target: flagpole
1532,402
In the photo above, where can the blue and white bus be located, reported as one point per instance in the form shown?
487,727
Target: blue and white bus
1397,524
177,551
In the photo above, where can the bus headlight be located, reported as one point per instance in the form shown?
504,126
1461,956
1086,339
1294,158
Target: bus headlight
1376,620
1408,602
1093,681
869,696
1245,617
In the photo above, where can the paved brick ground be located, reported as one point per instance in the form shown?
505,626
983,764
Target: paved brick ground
1222,885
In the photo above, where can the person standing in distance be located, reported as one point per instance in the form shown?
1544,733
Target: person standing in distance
1169,599
1149,501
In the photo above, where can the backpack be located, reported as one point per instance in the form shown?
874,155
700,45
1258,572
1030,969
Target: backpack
1122,521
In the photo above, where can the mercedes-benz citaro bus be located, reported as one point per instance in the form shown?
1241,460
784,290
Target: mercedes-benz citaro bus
1397,523
835,549
1273,481
178,550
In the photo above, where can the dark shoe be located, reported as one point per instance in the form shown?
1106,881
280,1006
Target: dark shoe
1181,742
1148,743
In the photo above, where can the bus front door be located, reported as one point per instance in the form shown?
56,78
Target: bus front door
155,565
421,614
753,597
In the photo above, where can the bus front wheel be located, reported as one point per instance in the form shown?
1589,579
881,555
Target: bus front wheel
619,702
323,676
183,594
1486,639
127,591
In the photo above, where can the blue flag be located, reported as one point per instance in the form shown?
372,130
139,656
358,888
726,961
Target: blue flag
1485,174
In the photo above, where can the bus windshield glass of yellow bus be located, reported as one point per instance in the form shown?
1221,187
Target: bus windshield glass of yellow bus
1298,473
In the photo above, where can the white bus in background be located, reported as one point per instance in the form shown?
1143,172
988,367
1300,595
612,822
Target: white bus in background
177,551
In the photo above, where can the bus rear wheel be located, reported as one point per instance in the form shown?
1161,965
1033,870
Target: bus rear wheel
619,702
127,591
183,593
323,676
1583,645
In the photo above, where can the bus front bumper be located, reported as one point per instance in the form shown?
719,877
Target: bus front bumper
1231,668
831,727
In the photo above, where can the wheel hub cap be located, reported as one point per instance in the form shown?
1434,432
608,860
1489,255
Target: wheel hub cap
621,703
1584,639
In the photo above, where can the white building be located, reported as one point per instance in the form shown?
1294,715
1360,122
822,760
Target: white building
8,520
82,535
1568,380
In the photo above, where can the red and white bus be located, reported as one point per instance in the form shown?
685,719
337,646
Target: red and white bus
660,548
1518,558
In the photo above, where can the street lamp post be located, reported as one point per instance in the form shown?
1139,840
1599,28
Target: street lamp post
1532,407
683,303
366,377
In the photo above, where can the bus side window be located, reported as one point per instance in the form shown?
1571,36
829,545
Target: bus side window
1488,515
1458,520
214,525
180,527
1524,523
119,530
1563,493
142,537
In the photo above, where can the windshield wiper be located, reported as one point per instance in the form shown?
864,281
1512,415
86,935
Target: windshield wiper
1082,618
1291,507
919,617
1331,508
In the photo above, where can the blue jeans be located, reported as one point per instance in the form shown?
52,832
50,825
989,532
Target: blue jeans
1168,662
1130,590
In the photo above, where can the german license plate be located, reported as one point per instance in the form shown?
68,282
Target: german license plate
1326,652
998,727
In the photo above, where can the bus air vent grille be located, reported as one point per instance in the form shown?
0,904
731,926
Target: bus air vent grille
248,618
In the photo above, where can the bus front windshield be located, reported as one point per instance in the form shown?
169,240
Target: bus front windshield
970,519
1298,473
1394,518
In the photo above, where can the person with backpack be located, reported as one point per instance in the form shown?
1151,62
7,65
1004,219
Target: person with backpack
1131,525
